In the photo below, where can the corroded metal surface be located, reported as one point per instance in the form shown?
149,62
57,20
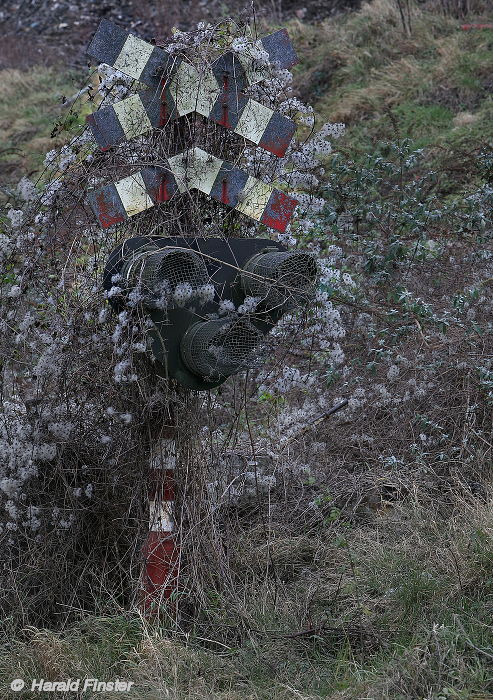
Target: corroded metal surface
215,92
188,91
133,56
180,88
147,63
194,169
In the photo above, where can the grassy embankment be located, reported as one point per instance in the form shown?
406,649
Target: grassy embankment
402,606
30,105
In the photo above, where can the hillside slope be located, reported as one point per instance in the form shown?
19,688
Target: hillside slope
365,569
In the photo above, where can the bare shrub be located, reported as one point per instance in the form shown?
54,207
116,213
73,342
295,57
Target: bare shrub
83,404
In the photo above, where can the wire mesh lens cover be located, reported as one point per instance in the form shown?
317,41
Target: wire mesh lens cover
220,348
180,282
168,273
282,280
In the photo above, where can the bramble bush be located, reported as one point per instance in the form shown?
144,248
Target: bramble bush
411,271
83,406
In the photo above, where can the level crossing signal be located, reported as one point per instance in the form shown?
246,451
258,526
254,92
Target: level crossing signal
211,300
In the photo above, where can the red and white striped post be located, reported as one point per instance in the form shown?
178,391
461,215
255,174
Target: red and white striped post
161,547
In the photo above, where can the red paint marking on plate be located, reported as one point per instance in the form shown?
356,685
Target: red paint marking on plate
106,216
162,193
224,192
277,145
280,211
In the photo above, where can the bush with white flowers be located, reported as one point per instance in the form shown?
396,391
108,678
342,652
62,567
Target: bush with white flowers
84,402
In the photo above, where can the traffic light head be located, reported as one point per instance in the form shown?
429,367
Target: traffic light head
219,348
194,291
160,275
282,280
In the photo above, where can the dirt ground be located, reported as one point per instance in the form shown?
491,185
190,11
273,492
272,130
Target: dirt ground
57,31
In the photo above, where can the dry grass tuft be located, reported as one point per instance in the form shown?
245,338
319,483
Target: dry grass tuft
30,102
